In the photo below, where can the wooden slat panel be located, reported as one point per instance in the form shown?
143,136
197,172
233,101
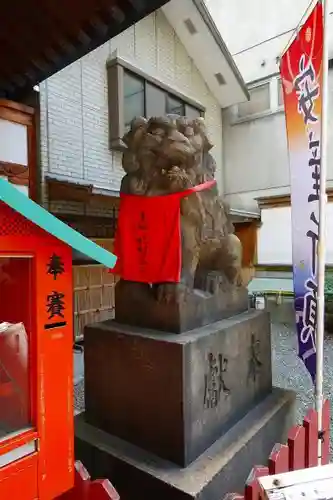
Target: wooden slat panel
107,243
65,191
299,453
278,461
296,444
93,296
93,227
252,487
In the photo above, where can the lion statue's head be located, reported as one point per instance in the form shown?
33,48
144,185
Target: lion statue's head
158,145
170,154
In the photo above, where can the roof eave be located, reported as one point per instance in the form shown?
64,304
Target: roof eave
209,21
52,225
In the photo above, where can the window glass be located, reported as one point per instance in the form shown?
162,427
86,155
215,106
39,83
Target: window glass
259,101
280,95
15,331
134,98
142,98
175,106
155,101
192,112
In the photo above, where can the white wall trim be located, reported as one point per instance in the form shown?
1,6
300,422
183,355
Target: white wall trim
154,79
256,116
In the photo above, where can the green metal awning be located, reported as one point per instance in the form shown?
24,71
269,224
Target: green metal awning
42,218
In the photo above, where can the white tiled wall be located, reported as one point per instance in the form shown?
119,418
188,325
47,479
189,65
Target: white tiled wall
74,112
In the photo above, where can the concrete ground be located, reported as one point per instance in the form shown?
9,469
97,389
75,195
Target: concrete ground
288,370
78,366
78,381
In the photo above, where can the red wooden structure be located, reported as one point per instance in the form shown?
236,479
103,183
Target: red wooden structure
85,489
36,367
300,452
36,419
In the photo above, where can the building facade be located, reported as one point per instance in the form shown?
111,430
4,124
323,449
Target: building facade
157,66
85,109
255,154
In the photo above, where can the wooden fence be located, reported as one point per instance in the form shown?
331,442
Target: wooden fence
86,489
300,452
93,296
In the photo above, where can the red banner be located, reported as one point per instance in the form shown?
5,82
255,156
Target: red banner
301,73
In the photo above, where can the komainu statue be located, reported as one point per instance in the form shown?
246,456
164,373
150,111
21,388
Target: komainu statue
171,156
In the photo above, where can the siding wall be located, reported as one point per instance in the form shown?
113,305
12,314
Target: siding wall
74,112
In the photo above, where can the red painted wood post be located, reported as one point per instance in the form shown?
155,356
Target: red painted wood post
86,489
82,476
310,424
102,490
81,483
278,461
252,488
300,453
296,445
326,436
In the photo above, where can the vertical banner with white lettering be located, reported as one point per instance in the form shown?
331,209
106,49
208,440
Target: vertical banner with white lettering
301,74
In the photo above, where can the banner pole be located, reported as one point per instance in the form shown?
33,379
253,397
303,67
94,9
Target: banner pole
322,237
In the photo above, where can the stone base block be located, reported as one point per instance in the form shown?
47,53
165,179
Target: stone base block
175,395
223,468
137,305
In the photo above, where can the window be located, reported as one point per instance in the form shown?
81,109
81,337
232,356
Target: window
266,97
134,98
155,101
174,106
132,94
280,93
259,101
15,330
142,98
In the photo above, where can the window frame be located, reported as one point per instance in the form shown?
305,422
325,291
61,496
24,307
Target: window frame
23,442
143,82
254,87
273,81
168,97
116,68
279,82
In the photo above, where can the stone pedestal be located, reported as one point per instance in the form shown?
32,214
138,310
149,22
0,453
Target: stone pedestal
175,395
180,415
221,469
200,308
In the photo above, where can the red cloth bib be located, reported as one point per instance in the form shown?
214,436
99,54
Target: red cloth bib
148,237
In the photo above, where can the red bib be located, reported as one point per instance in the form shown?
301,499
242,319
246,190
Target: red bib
148,237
